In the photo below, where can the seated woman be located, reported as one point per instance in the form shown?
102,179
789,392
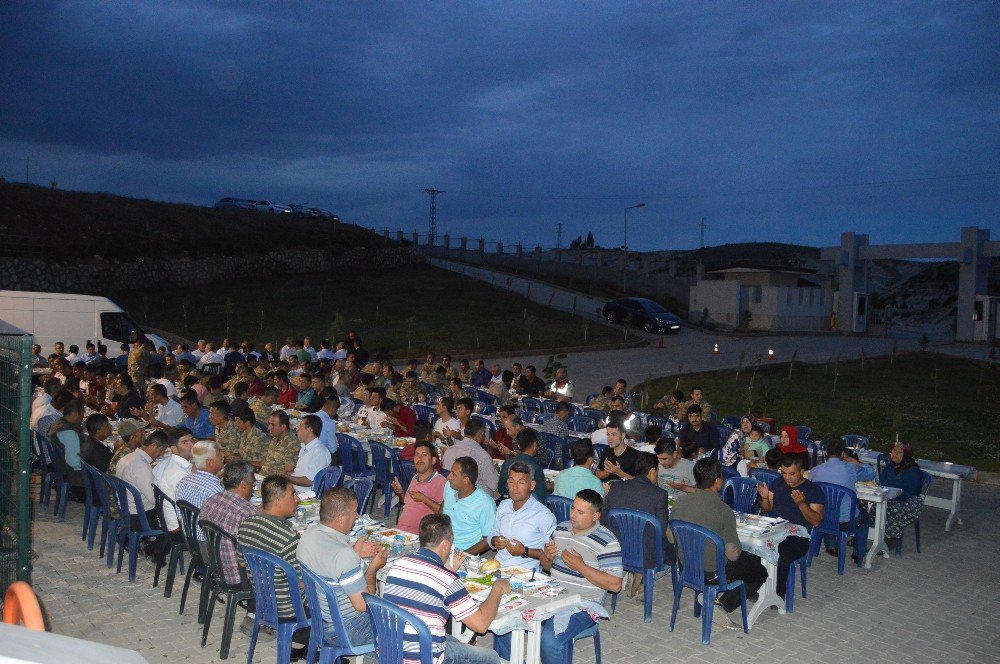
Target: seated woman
790,446
732,450
903,473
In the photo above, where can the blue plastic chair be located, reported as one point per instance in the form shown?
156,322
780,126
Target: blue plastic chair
382,463
765,475
592,631
491,427
740,493
388,622
597,416
532,405
549,405
581,424
264,568
586,401
560,506
801,564
631,526
692,539
320,594
177,549
830,525
235,593
353,456
600,449
557,445
423,412
97,506
728,472
731,421
486,409
925,485
805,433
127,536
407,471
364,487
57,476
486,398
326,479
664,423
857,441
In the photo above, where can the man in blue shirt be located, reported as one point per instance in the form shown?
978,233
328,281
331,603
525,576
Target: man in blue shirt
471,509
195,417
481,377
843,470
526,445
523,525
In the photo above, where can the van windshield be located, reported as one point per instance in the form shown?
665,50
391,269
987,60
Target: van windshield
117,326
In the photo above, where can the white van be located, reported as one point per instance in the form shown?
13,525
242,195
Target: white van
72,319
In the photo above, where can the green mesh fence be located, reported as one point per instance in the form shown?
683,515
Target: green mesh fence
15,473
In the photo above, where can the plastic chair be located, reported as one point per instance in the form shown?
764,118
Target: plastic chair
600,449
728,472
189,526
805,433
830,525
388,623
326,479
407,471
857,441
765,475
364,487
592,631
486,409
20,607
581,424
486,398
127,536
353,456
57,476
549,405
97,507
916,522
763,425
264,568
881,461
177,549
425,413
320,594
692,539
740,493
731,421
532,405
560,506
556,445
631,526
664,423
235,593
491,427
800,563
724,433
382,462
598,416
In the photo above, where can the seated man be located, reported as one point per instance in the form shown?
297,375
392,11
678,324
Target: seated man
228,509
253,442
471,445
471,510
676,471
67,432
161,411
136,468
586,559
620,458
526,445
522,525
427,586
446,427
798,500
400,417
580,475
98,445
371,415
425,495
699,431
203,483
556,424
326,549
705,508
501,445
288,396
642,493
226,434
313,456
263,406
170,470
561,388
283,450
328,415
844,470
196,419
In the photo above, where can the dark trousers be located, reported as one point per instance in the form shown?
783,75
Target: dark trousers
159,545
748,569
789,551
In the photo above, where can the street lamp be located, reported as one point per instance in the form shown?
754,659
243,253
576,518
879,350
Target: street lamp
625,246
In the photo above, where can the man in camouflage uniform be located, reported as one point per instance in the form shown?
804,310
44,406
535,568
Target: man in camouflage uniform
406,391
449,370
465,372
440,380
138,365
227,437
130,437
430,366
253,442
263,407
283,452
603,400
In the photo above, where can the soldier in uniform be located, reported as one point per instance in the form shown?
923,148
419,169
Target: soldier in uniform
603,400
130,437
429,368
465,372
408,389
253,442
283,452
138,366
449,370
227,436
263,407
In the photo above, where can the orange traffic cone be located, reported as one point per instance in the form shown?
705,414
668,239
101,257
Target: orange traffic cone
661,342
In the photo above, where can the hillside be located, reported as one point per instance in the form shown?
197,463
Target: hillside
53,224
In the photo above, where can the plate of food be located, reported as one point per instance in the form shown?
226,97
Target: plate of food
475,587
515,570
392,533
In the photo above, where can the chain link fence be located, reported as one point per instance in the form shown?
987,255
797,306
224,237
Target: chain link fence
15,474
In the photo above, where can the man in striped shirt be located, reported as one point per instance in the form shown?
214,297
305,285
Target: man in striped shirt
587,559
203,483
425,586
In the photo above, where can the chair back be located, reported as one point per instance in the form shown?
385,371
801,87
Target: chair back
266,570
216,538
364,487
631,527
164,503
491,427
766,426
326,479
805,433
691,540
486,398
836,496
556,445
424,412
123,490
549,405
428,388
600,449
581,424
925,484
56,452
96,488
389,622
381,462
596,415
320,594
724,433
213,368
586,401
486,408
532,405
560,506
740,493
728,472
857,441
664,423
407,471
765,475
190,528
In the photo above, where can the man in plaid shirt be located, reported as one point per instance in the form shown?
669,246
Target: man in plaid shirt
229,509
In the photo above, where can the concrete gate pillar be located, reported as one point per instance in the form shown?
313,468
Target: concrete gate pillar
851,277
973,274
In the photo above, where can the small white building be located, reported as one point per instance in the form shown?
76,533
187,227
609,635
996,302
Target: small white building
763,298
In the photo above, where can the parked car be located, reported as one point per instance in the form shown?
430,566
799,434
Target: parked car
644,313
303,211
238,203
271,207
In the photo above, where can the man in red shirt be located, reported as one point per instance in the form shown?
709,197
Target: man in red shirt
501,445
400,416
288,396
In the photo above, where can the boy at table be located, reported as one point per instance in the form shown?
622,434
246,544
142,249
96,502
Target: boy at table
523,525
585,557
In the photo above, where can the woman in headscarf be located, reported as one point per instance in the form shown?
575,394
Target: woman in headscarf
732,449
902,472
790,446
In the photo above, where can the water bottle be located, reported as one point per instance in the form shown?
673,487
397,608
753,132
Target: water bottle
397,545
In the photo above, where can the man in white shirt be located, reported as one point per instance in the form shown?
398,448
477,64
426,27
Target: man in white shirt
313,457
200,350
325,352
341,352
209,357
372,415
169,386
168,412
287,350
74,355
91,354
172,468
308,347
471,445
446,426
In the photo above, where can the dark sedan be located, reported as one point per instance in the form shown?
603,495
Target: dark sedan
644,313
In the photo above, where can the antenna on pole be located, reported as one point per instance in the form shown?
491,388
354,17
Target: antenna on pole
703,232
432,230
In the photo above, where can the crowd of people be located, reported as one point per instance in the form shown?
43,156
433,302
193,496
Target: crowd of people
213,419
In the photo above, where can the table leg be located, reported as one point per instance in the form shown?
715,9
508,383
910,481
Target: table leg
877,534
953,504
522,644
767,595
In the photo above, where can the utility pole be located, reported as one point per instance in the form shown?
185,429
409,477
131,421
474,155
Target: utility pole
559,236
703,232
27,170
432,231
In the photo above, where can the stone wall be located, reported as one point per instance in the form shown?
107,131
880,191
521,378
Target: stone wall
98,276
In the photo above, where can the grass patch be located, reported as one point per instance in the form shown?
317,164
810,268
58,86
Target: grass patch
937,403
403,312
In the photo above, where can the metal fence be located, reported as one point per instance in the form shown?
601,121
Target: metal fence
15,473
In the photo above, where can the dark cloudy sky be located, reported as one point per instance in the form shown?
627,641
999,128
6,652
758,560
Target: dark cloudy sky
775,121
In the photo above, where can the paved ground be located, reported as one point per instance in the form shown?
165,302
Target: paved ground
939,605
